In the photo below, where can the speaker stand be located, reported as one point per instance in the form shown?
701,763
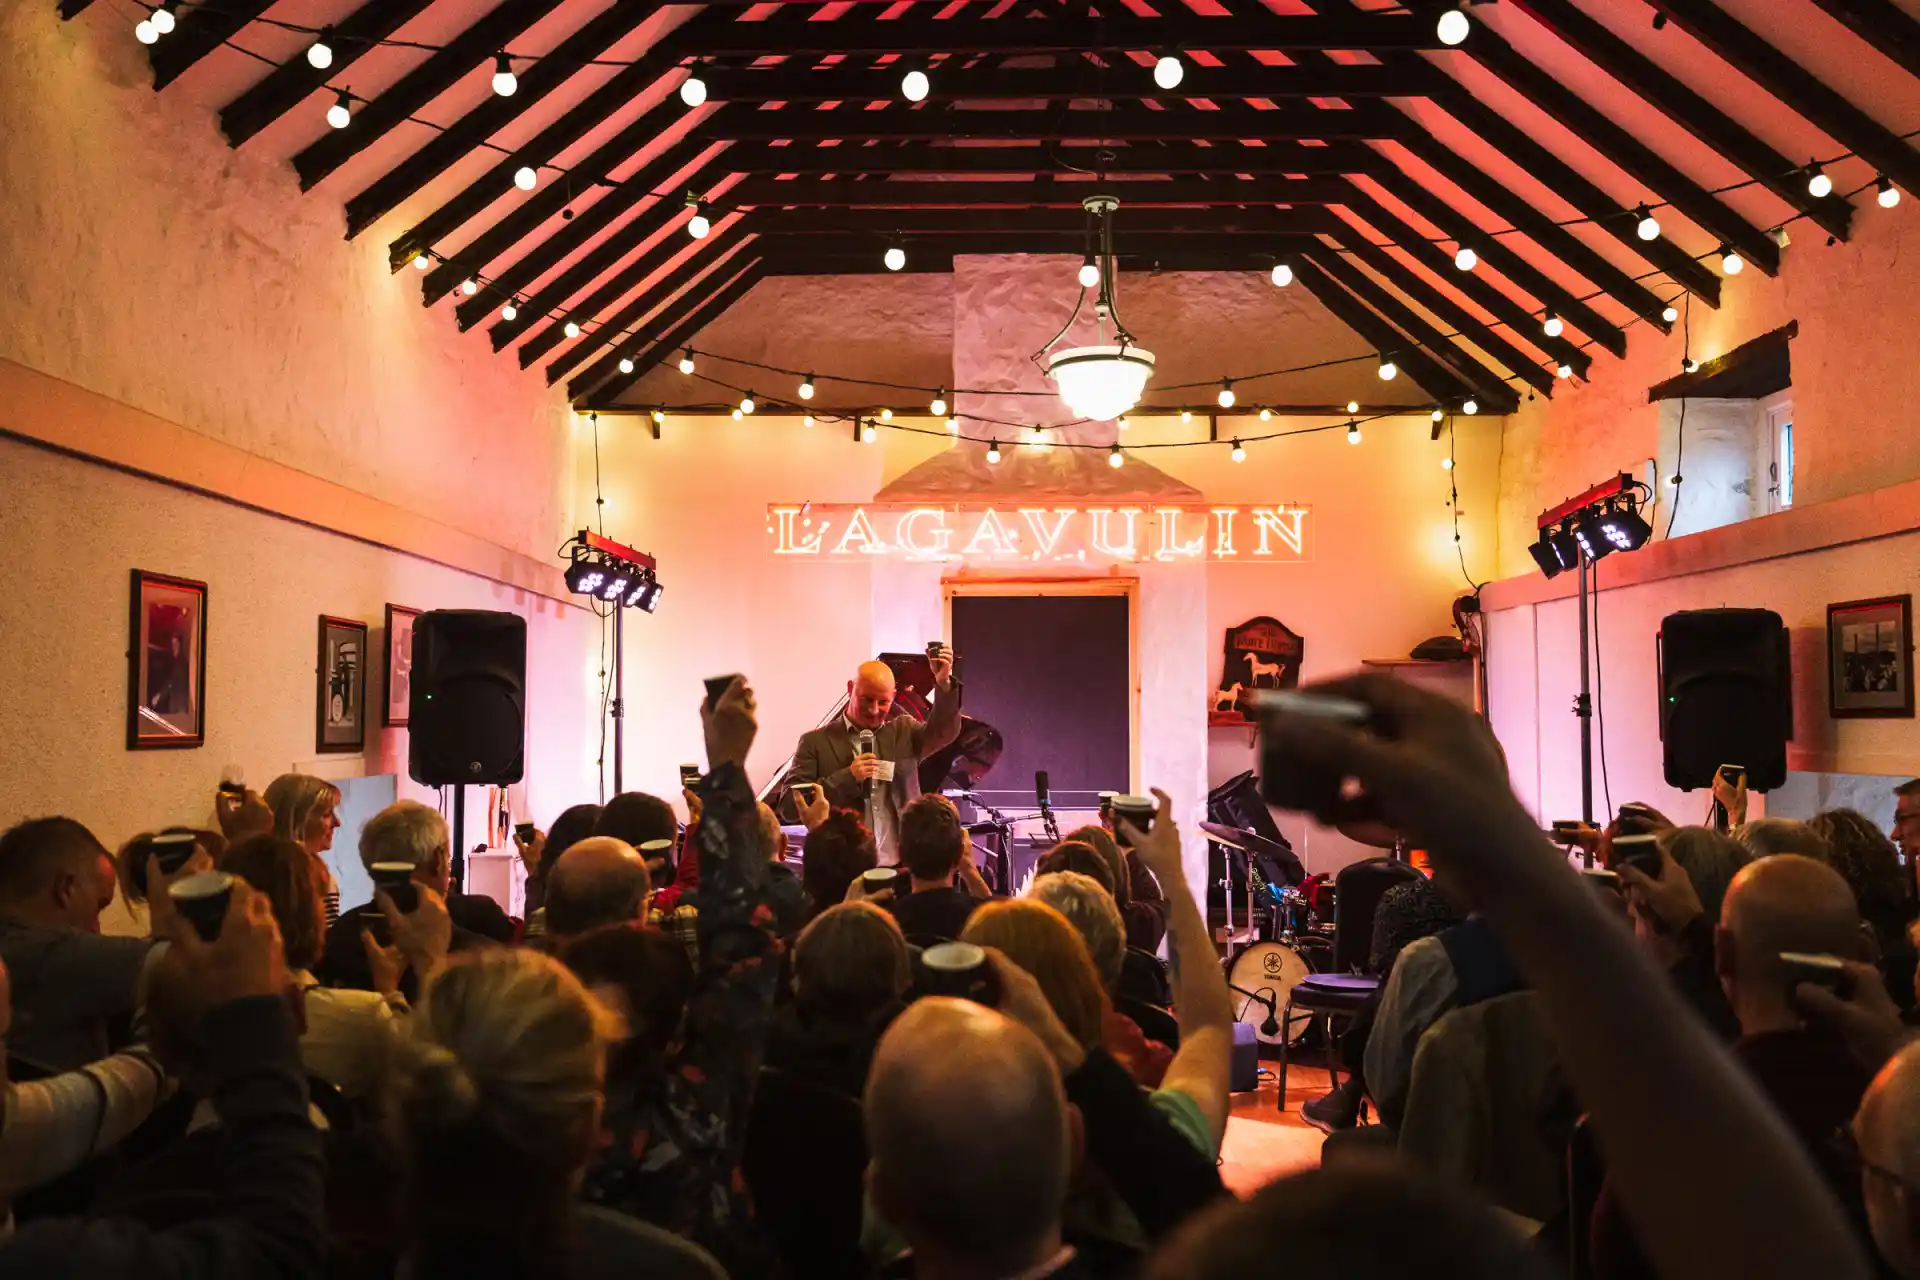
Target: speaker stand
458,868
1583,704
619,698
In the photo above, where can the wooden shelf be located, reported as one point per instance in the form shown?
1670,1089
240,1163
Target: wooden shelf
1416,662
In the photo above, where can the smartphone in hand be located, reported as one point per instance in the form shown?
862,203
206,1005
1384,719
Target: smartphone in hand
717,686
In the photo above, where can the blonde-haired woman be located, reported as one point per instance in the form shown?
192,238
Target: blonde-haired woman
304,811
495,1101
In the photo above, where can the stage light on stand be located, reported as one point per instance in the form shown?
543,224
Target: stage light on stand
646,597
320,52
1648,226
806,387
340,114
1546,553
1819,185
1731,263
1453,27
504,81
1889,195
686,361
1239,453
1552,325
1226,393
1169,71
939,406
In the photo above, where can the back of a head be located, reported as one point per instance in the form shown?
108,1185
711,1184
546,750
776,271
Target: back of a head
1091,910
969,1137
636,817
130,860
1764,837
932,841
1082,859
34,853
1365,1222
643,975
1866,859
1710,859
294,798
570,828
600,881
1038,939
836,851
494,1100
281,869
850,964
1888,1132
405,831
1108,848
1787,903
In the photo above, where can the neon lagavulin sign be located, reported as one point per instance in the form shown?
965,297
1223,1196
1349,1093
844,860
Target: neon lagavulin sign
1041,535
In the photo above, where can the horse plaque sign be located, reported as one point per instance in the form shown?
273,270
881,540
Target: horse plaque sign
1261,653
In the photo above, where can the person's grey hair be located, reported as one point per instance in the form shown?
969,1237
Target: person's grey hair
1094,915
1711,861
1764,837
404,831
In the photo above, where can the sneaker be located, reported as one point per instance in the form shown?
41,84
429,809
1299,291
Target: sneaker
1339,1109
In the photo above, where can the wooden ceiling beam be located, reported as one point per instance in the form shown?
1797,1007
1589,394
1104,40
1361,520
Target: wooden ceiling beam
1151,194
920,158
590,341
918,35
790,83
289,84
372,122
678,321
883,223
197,33
1137,254
1883,25
1598,44
1432,377
737,123
1798,88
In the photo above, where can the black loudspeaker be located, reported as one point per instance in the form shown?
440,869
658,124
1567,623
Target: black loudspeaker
467,707
1726,696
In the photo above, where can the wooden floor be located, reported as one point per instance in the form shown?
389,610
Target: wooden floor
1263,1142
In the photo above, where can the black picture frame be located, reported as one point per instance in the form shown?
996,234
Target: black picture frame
399,661
1870,682
340,686
166,692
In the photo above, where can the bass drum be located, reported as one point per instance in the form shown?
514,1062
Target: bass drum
1267,971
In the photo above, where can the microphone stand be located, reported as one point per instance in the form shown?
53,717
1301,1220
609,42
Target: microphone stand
1271,1027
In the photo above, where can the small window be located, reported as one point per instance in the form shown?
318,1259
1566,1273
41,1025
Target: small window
1776,430
1786,463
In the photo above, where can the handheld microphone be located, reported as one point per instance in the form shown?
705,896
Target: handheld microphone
1042,793
864,745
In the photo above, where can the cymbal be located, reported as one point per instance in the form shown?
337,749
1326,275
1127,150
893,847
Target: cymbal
1233,837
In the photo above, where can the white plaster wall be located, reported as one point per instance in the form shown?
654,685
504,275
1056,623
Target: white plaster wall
1713,449
74,529
142,258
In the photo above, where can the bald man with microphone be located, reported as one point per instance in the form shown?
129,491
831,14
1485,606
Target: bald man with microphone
870,764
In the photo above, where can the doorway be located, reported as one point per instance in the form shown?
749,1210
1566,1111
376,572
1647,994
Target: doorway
1051,665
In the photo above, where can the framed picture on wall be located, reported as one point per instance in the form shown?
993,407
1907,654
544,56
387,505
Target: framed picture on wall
340,686
398,680
1870,658
166,662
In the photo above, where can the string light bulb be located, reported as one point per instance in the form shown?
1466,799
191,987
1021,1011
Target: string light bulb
699,224
1120,423
1471,407
806,420
1670,314
1446,464
1353,407
746,403
469,286
1563,372
1552,325
868,433
1353,432
1465,259
1186,415
526,177
1282,275
659,417
1889,194
626,366
1819,185
1731,263
1388,370
693,90
320,52
1114,457
509,312
1266,415
1689,365
145,32
421,262
1454,27
886,415
1226,393
806,387
571,328
953,426
993,451
737,415
895,257
1169,71
1089,273
914,84
1439,415
939,406
504,81
686,361
340,114
162,18
1239,453
1647,227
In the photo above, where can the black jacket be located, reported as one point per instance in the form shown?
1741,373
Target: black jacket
477,922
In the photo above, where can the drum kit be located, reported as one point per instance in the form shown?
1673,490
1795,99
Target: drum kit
1282,936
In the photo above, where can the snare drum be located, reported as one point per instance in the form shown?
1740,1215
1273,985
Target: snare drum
1268,971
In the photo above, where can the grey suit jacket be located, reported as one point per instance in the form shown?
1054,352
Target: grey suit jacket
824,754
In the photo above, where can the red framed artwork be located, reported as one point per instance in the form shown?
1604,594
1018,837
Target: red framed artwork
166,662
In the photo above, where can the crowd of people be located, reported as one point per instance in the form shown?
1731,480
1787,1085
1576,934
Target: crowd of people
696,1056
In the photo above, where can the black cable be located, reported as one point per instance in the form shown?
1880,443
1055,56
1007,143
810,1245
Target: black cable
1453,478
1680,431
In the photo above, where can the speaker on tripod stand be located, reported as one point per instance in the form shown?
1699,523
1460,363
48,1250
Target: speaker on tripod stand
467,707
1726,696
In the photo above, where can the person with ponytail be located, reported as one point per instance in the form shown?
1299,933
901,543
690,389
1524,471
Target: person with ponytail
494,1102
